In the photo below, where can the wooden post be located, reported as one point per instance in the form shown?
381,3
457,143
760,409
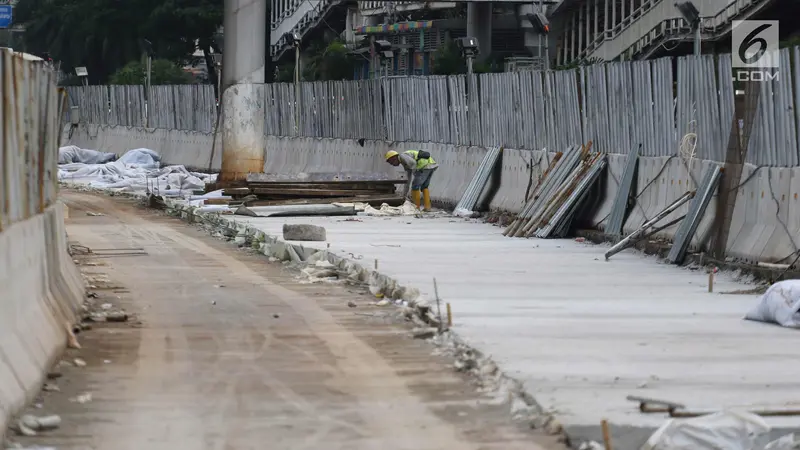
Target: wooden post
744,109
606,435
711,281
449,316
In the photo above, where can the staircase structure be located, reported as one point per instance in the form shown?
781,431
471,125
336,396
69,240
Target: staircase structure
297,17
638,29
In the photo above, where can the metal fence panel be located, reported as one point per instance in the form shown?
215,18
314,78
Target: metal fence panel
616,105
29,138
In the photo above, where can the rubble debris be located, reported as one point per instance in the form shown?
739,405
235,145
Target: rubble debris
116,316
79,362
424,333
351,304
50,387
30,425
54,375
303,232
72,340
82,398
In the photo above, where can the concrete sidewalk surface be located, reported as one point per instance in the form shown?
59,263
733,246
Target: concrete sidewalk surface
580,332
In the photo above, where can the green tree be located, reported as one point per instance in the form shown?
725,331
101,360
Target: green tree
448,61
327,62
162,71
104,36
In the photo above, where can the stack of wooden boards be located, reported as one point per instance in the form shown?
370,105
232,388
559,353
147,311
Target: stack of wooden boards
265,189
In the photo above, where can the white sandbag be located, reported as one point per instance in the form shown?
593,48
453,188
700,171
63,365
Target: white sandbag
780,304
72,154
729,430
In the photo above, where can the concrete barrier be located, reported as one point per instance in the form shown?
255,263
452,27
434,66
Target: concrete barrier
41,290
765,226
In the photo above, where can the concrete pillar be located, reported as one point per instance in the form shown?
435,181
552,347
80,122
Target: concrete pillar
479,25
243,61
606,17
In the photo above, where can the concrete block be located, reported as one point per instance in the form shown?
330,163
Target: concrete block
303,232
43,291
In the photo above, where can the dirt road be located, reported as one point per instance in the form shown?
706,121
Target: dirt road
226,351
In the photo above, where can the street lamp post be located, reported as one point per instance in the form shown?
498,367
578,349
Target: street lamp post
691,14
469,50
294,40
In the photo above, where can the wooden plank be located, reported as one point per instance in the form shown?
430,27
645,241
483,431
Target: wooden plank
386,187
326,177
312,192
217,201
236,191
375,201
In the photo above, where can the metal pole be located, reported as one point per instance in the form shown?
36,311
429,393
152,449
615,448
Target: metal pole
297,88
697,39
469,81
149,71
147,94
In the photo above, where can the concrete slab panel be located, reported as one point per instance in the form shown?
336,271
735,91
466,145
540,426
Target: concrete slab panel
581,333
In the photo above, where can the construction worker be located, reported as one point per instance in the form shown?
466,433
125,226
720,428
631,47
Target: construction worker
419,164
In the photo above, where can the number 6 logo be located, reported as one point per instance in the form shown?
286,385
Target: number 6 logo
752,40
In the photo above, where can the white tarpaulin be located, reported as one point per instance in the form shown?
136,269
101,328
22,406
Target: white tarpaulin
728,430
788,442
73,154
137,170
141,157
779,305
